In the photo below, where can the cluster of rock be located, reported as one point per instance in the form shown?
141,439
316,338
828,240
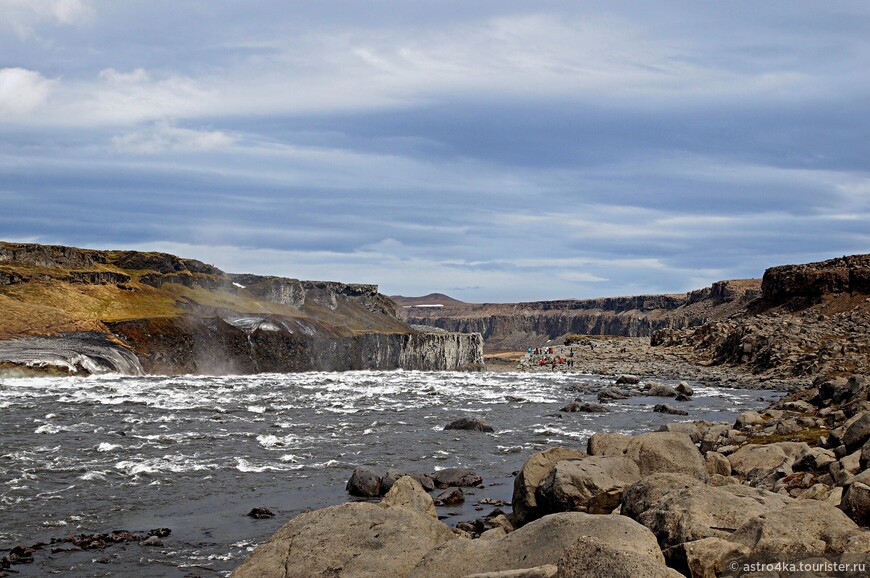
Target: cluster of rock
788,484
623,389
811,319
366,483
22,554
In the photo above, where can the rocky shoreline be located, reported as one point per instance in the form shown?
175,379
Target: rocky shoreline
786,485
591,355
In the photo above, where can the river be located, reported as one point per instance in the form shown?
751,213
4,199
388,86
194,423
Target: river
196,454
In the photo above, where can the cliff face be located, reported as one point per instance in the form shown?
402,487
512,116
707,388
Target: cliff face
79,310
515,326
812,319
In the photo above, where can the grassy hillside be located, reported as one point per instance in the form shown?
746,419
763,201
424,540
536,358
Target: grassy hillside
46,290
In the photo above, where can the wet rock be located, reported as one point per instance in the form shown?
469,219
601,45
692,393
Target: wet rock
457,477
666,452
611,394
261,513
151,541
538,543
533,472
661,390
627,379
424,480
390,477
450,497
365,483
474,423
593,484
591,557
665,408
685,389
576,406
682,397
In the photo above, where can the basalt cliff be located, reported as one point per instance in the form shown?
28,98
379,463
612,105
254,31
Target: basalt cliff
808,321
512,326
68,310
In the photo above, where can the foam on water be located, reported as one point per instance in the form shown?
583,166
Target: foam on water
196,453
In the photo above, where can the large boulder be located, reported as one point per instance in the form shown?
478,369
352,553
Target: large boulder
710,557
533,472
474,423
649,491
661,390
353,539
407,492
802,529
392,475
583,406
456,477
756,461
666,452
538,543
591,557
665,408
593,485
685,389
686,514
716,463
856,499
607,444
364,482
857,433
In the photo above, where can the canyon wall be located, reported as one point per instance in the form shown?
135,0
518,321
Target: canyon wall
515,326
87,311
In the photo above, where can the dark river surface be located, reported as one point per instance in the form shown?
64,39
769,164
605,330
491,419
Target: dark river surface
196,454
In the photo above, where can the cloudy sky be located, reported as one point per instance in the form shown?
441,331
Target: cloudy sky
494,151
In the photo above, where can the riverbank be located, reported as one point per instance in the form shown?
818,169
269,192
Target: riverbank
789,484
594,355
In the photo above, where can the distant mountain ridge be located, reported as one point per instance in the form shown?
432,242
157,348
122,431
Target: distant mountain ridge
430,299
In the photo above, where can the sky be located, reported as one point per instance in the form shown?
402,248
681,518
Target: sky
494,151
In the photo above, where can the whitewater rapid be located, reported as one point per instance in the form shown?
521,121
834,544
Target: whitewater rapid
195,454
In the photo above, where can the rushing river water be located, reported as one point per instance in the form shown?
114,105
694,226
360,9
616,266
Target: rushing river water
195,454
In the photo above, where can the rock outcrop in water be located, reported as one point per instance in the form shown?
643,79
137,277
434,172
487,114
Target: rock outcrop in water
71,310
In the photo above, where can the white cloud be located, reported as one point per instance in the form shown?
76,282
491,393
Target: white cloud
517,57
163,137
22,90
24,15
136,76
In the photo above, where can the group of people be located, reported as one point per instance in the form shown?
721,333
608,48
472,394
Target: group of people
549,357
